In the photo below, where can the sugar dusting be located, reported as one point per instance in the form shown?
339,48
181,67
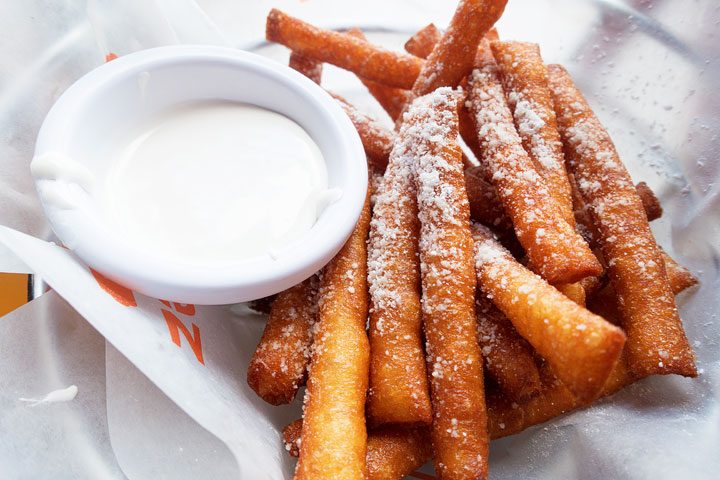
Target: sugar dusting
523,191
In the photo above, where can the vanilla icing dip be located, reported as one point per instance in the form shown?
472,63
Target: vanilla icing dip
216,181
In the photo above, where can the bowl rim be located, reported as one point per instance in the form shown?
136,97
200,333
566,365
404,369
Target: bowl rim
235,281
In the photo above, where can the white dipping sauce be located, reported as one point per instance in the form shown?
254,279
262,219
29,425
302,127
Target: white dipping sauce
214,182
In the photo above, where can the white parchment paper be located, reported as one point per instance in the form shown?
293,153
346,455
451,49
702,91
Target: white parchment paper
148,408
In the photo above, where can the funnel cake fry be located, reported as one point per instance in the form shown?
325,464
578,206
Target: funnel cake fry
376,139
398,376
524,77
393,452
422,43
334,436
656,340
459,423
508,418
308,66
453,55
555,250
390,98
279,364
345,51
581,347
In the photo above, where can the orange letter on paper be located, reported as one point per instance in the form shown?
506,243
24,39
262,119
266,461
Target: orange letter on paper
176,326
122,295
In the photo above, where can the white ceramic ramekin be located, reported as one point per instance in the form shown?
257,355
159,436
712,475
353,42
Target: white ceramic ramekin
83,122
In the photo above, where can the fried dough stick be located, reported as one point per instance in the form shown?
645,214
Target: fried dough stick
524,78
555,399
343,50
508,357
679,277
398,376
452,58
554,249
392,452
391,99
656,340
459,437
376,139
395,452
333,434
581,347
421,44
279,364
308,66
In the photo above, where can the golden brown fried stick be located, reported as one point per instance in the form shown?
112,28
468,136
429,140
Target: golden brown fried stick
343,50
333,435
453,55
650,203
468,132
524,78
308,66
508,357
459,438
492,35
581,347
279,364
486,207
398,375
656,340
553,247
392,452
555,399
376,139
421,44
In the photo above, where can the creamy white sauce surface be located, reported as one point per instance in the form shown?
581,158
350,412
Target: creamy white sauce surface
213,182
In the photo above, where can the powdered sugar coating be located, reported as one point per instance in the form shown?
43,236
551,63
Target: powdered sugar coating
453,354
524,78
398,377
636,267
558,253
279,363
